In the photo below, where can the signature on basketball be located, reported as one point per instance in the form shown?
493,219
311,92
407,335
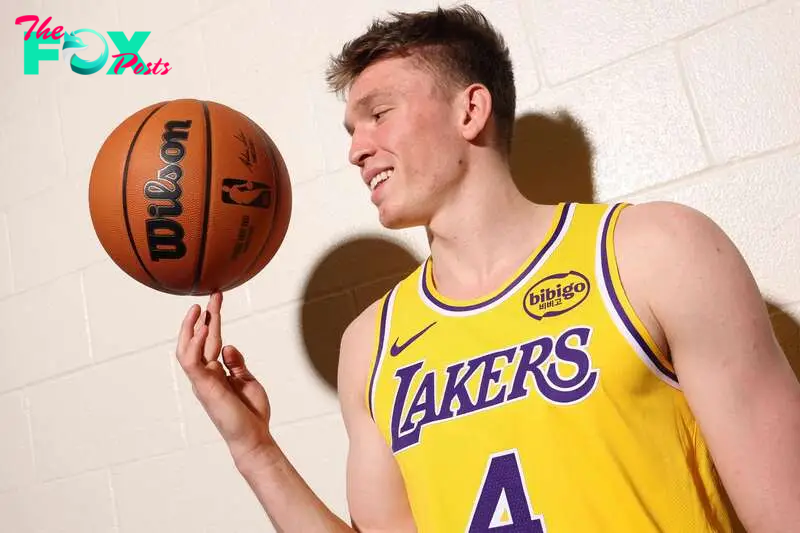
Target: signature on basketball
128,55
248,155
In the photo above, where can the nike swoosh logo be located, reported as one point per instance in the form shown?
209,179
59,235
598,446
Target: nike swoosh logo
396,349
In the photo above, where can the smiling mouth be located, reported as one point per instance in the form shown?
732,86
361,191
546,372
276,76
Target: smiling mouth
380,178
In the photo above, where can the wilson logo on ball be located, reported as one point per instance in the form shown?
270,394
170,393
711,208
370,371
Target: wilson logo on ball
164,232
556,294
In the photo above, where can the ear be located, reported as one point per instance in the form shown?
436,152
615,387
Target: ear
475,111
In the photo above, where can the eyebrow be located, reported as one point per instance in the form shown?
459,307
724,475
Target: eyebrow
365,102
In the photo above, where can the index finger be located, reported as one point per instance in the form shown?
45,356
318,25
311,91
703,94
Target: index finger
214,320
187,328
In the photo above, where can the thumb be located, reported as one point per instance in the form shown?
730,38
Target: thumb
235,364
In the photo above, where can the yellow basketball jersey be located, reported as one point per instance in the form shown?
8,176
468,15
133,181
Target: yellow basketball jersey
543,407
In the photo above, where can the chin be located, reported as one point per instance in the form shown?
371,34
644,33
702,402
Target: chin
392,218
393,223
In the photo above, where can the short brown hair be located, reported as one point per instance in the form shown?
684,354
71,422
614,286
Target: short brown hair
458,44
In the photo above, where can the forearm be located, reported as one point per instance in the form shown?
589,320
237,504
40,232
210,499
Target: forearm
286,497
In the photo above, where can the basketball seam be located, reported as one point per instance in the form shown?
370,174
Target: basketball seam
125,197
207,207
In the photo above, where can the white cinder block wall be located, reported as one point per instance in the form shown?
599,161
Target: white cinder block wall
692,100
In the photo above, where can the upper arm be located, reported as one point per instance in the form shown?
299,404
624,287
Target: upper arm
730,366
375,488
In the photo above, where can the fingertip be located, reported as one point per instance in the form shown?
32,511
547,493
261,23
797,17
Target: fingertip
191,317
232,357
229,351
215,301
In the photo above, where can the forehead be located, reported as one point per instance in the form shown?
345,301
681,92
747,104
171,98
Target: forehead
393,77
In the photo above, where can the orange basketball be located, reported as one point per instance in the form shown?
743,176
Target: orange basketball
189,196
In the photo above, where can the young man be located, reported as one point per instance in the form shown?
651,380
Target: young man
549,368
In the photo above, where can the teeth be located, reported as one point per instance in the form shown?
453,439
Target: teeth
383,176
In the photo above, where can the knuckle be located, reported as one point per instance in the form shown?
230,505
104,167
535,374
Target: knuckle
196,342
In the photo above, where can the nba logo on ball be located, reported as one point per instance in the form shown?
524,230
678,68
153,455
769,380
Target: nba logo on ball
244,192
178,205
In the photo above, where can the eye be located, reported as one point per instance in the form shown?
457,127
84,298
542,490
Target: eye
377,115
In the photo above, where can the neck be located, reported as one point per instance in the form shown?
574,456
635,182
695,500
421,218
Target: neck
483,232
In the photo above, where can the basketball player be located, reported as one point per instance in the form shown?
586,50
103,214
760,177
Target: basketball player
567,368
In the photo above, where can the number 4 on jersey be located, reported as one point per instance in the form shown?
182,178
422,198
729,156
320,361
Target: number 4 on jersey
502,504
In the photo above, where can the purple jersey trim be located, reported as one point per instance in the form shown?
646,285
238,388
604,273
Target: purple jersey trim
511,286
612,293
387,302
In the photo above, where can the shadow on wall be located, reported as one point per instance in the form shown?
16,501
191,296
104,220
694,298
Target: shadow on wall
787,330
343,283
551,159
551,162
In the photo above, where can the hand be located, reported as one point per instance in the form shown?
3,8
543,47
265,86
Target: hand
233,398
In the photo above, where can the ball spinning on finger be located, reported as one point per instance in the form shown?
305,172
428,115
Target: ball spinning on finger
190,196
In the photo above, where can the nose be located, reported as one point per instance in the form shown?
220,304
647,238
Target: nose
361,147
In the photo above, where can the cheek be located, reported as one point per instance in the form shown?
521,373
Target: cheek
424,145
427,136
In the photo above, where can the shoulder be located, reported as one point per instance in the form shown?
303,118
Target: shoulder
669,256
679,263
662,228
360,332
356,353
667,240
